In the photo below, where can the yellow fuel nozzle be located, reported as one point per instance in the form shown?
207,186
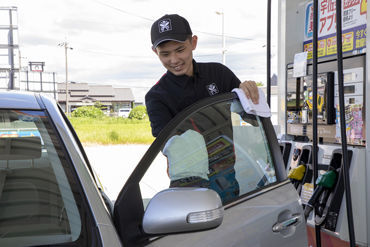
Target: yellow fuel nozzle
297,173
320,102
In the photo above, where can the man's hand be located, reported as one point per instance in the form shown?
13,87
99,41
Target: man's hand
251,90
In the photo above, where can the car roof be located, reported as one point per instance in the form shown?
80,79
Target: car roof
18,100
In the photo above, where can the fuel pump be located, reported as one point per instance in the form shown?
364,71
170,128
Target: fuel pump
325,108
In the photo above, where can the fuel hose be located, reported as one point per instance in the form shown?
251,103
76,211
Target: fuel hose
314,106
343,136
268,46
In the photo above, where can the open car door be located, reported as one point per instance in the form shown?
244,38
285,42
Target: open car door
213,147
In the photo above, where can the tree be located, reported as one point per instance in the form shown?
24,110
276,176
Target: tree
88,111
100,106
139,112
97,104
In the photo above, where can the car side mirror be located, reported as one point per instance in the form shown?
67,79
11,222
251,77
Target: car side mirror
183,210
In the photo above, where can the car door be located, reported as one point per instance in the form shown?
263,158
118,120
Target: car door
217,145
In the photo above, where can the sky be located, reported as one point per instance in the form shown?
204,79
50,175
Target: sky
111,38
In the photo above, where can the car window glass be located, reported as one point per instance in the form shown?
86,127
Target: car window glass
219,147
39,201
253,165
155,179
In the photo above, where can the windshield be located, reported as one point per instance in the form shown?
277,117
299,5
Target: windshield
40,203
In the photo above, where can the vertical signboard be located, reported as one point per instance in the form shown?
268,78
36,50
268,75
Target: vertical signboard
353,27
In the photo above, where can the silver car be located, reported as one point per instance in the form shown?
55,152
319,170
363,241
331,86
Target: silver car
224,185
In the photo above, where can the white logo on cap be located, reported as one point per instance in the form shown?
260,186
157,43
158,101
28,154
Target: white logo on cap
165,25
212,89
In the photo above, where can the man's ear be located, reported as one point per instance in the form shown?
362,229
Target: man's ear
154,50
194,42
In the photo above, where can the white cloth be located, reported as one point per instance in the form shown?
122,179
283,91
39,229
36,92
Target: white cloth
261,109
187,156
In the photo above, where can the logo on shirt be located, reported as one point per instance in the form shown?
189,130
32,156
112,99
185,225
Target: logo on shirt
165,25
212,89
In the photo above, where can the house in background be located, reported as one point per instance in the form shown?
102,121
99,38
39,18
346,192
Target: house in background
84,94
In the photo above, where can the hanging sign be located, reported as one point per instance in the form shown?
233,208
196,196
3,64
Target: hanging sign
300,64
37,66
353,27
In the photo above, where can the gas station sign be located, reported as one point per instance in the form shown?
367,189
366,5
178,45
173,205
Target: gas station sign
353,27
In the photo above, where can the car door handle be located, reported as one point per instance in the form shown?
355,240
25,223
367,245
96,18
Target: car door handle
280,226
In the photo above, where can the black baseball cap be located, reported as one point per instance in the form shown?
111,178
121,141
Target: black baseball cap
170,27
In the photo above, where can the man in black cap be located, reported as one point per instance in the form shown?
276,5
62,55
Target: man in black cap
185,81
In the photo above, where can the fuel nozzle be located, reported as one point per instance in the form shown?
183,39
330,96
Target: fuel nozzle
297,173
327,181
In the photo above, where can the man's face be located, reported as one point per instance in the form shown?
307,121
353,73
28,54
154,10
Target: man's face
177,57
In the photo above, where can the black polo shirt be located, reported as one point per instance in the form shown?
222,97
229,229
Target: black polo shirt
174,93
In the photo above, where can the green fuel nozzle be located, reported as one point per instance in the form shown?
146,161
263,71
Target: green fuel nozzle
326,180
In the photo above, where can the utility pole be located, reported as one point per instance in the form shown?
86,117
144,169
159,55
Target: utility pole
223,38
11,51
66,47
9,27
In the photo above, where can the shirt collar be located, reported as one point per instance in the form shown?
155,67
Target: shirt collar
195,71
195,68
182,80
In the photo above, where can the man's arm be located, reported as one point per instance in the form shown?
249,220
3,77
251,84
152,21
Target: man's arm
251,90
249,87
159,114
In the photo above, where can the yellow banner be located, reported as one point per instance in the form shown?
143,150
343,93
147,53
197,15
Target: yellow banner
347,43
321,49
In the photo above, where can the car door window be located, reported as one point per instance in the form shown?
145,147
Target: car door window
40,200
220,147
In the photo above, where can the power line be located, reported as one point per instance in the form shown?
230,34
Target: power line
151,20
142,57
227,36
131,56
103,53
124,11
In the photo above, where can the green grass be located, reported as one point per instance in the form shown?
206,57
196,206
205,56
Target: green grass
111,130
